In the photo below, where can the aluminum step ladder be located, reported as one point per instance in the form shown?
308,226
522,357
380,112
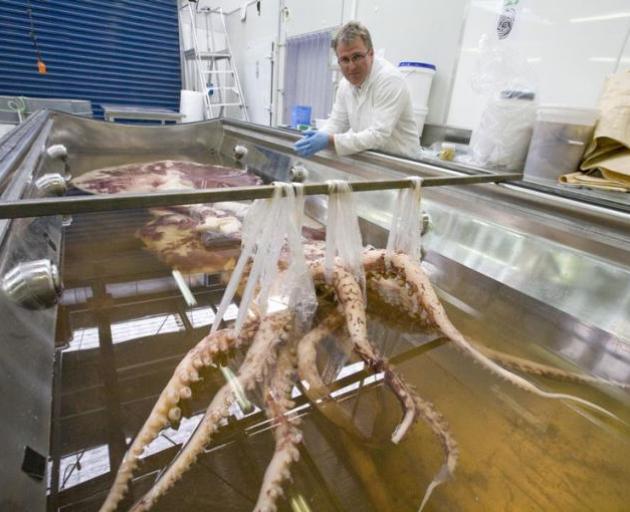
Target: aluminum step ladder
210,68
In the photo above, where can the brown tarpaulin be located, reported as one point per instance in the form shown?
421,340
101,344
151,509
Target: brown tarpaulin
606,162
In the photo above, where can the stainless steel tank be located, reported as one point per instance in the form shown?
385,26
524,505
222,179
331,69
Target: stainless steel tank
543,276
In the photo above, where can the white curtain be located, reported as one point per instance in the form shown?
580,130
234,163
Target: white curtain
308,75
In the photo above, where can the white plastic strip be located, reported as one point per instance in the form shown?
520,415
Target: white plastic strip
184,289
251,228
268,227
343,236
298,283
254,230
406,227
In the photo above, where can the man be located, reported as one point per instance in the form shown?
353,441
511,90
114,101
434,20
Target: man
372,109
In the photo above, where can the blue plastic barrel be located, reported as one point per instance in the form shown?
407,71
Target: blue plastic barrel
415,64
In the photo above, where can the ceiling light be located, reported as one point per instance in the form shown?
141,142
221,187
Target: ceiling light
603,17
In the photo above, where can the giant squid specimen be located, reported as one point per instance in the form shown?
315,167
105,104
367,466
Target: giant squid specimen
181,236
276,358
189,238
162,175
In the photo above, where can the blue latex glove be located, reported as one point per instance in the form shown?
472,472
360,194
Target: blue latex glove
312,142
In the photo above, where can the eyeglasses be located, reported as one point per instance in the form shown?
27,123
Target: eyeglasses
354,58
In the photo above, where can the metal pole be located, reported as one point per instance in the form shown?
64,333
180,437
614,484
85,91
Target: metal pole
73,205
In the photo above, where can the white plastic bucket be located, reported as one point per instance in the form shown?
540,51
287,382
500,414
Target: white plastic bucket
421,115
191,105
419,76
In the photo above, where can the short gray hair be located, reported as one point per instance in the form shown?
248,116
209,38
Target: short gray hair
349,32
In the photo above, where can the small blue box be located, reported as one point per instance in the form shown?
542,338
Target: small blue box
301,114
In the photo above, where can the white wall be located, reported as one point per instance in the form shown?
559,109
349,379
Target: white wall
311,16
419,30
624,57
252,42
409,32
570,47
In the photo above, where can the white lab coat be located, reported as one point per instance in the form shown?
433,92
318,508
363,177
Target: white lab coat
377,115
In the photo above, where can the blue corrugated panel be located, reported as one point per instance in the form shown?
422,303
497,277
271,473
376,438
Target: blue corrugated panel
118,51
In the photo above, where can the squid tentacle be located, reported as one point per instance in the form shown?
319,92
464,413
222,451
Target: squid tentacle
392,291
287,434
413,275
166,409
350,298
534,368
272,332
317,391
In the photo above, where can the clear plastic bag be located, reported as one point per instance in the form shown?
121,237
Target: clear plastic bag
507,85
296,286
502,137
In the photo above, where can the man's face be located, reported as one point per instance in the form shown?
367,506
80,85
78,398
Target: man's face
355,60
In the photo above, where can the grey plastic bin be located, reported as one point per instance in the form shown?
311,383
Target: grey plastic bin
559,140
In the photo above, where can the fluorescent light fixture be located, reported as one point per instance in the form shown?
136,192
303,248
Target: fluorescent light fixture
533,60
83,339
609,60
80,467
603,17
276,303
200,316
145,327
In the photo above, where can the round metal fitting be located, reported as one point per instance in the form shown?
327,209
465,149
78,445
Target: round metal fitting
52,184
57,151
298,173
33,284
240,151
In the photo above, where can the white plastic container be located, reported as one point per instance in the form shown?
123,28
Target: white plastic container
561,134
421,115
419,76
191,105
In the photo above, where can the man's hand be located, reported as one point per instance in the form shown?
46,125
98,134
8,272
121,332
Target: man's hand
312,142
